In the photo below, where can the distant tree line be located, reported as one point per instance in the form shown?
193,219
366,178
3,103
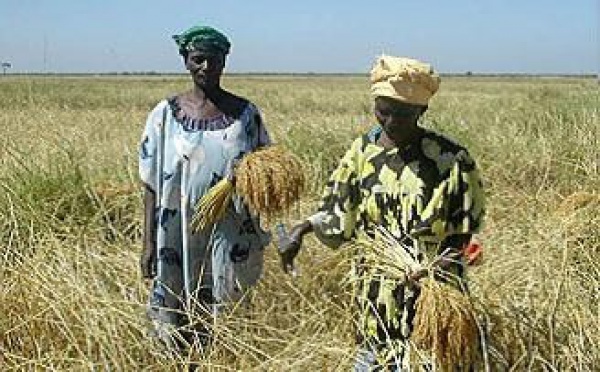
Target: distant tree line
8,65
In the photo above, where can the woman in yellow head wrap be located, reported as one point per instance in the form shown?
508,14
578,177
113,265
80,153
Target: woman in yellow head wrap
417,184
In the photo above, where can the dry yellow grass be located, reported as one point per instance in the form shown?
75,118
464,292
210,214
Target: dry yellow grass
576,201
72,297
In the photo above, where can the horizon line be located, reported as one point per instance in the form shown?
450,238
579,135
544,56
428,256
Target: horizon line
308,73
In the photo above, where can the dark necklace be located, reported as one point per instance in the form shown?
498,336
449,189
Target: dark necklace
194,124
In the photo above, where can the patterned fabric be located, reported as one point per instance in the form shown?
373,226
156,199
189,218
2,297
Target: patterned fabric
180,164
202,37
431,190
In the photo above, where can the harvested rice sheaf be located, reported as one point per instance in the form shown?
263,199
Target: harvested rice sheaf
445,325
269,180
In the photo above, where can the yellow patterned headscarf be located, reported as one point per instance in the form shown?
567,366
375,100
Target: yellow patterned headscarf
404,79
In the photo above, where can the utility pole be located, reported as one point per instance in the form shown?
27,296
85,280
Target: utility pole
45,54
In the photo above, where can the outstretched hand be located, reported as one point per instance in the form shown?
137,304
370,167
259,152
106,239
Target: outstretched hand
288,253
290,246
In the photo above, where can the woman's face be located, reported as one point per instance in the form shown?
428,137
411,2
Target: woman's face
396,118
205,67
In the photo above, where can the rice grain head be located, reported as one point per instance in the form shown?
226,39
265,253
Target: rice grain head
270,180
211,207
445,325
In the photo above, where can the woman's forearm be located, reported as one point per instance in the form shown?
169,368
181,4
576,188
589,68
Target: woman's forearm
149,219
303,228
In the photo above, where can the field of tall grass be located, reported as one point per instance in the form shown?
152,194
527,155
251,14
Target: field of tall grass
70,218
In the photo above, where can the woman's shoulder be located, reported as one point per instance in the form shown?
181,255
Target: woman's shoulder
444,142
161,106
157,115
445,150
236,106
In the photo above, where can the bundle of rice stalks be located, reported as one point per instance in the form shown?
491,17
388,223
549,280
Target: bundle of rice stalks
212,205
445,327
445,324
270,180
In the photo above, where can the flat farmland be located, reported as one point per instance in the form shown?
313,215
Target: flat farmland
71,214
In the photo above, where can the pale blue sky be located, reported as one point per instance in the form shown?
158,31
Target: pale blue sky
488,36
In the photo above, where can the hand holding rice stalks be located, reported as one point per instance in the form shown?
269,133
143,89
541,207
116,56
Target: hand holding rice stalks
444,323
269,180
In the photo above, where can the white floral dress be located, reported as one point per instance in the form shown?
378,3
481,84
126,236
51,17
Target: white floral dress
180,160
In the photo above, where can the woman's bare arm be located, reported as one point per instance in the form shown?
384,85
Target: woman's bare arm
148,257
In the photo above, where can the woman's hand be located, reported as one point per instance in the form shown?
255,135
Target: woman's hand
415,276
290,246
442,264
148,261
148,257
288,252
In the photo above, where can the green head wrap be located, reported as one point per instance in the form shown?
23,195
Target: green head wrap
202,38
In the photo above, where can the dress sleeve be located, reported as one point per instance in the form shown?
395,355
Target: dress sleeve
457,205
466,204
148,149
336,219
258,131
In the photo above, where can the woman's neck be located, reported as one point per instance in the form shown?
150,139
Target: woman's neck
216,101
214,93
401,142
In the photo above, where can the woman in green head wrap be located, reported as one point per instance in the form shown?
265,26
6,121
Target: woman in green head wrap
190,142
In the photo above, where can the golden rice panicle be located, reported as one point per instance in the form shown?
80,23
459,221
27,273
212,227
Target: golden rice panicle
445,325
211,207
270,180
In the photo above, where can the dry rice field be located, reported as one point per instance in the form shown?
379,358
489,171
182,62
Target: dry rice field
70,217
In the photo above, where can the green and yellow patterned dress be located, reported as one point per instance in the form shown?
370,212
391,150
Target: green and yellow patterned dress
431,189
